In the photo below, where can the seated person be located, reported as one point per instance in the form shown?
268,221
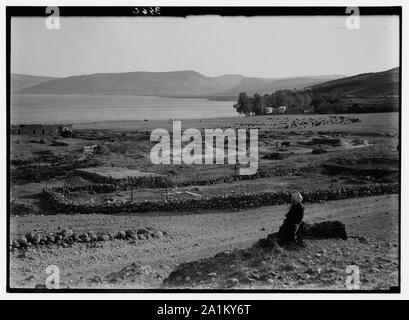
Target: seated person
292,222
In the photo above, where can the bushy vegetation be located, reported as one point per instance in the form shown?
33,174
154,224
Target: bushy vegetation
296,101
312,101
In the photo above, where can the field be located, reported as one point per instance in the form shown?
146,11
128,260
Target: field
302,152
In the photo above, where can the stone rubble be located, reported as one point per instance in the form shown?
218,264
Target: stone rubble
67,237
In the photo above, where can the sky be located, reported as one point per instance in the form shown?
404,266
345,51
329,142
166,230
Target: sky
212,45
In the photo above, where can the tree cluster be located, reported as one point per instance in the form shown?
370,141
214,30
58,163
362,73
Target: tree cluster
311,101
296,101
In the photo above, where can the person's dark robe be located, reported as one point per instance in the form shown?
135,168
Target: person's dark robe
291,224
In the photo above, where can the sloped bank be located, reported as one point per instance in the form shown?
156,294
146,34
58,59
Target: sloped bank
60,204
230,268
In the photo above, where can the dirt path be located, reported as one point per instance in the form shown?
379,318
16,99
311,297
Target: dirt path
191,236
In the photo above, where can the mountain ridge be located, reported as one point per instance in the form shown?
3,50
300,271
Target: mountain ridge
170,83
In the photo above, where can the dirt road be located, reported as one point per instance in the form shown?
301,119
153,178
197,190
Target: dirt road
191,236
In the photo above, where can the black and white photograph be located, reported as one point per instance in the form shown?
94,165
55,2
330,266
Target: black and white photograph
204,149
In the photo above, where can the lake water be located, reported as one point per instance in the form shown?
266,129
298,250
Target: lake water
29,109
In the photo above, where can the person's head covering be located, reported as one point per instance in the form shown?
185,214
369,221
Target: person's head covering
296,197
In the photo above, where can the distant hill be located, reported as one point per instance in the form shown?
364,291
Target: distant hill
368,92
131,83
21,81
229,80
176,83
267,86
363,85
363,93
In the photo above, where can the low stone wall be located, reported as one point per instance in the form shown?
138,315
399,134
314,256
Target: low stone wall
154,182
232,178
124,184
232,201
376,172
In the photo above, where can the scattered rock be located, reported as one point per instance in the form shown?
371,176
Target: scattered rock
309,271
66,233
383,260
96,279
374,270
29,278
233,282
93,236
22,241
121,235
75,237
103,237
35,239
289,267
131,234
15,244
319,151
361,239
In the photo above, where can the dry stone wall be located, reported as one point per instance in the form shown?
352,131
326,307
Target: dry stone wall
61,204
155,182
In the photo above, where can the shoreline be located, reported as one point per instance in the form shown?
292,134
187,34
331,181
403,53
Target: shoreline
220,122
263,122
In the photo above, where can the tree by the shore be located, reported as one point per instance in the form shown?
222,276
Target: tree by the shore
307,101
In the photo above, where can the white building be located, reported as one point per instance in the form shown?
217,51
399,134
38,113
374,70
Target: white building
282,109
268,110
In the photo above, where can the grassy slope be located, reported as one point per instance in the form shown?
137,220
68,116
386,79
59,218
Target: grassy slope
364,85
375,91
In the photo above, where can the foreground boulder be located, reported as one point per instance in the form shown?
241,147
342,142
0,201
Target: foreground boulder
324,230
321,230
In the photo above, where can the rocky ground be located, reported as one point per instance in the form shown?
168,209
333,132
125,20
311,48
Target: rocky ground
322,264
373,245
321,152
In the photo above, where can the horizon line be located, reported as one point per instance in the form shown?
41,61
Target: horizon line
191,70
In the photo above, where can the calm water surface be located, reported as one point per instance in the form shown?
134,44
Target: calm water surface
26,109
